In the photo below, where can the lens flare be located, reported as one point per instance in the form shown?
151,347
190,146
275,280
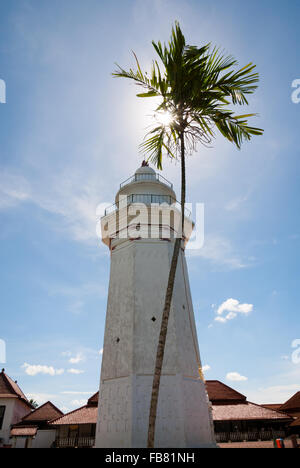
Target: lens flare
164,118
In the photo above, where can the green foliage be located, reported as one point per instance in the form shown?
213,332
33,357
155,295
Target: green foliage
196,87
33,403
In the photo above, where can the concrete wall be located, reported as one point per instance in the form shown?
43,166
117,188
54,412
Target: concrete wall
20,410
9,404
44,438
14,412
19,442
138,280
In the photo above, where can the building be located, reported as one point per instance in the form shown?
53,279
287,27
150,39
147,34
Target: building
13,407
236,419
140,230
34,430
77,428
292,407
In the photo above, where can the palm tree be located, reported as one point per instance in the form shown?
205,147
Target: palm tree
33,403
195,87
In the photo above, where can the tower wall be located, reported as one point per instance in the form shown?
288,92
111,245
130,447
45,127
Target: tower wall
138,282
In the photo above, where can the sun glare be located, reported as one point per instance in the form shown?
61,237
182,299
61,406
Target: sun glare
164,118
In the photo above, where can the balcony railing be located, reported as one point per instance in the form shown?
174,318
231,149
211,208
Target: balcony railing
146,177
148,199
75,442
248,436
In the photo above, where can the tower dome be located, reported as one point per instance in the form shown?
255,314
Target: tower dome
146,182
147,202
145,170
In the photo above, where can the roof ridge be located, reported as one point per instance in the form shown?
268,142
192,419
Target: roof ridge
13,388
40,408
67,414
269,409
8,382
294,397
243,397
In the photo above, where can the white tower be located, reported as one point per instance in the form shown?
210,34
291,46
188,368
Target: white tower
141,251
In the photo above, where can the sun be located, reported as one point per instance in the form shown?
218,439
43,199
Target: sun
164,118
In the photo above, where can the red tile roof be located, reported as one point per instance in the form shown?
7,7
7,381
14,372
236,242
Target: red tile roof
219,392
84,415
46,412
227,405
273,406
93,401
246,412
27,431
296,423
293,404
10,389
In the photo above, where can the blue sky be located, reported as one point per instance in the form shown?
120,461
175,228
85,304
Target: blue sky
70,135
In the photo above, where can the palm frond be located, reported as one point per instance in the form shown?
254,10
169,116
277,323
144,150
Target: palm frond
195,84
236,128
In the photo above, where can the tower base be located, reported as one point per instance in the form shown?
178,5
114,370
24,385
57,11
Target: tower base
183,416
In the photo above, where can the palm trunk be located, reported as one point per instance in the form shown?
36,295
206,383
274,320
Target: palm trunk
167,308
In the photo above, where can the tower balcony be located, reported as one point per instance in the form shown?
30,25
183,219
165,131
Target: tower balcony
146,177
148,200
145,208
145,216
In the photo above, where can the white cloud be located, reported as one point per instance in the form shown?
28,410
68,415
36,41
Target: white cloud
236,377
278,394
81,355
78,402
236,203
40,398
75,371
76,359
277,388
33,370
77,295
219,252
206,368
65,409
14,189
74,203
233,307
